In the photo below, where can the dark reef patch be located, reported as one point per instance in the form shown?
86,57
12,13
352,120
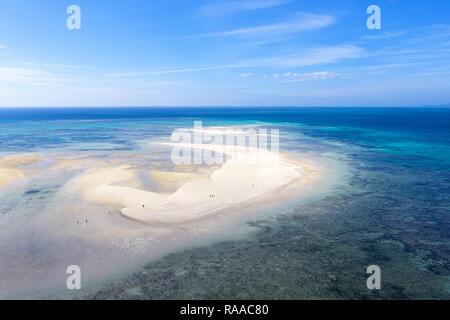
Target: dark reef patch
34,191
395,217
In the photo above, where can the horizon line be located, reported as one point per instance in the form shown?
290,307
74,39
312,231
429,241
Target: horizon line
225,106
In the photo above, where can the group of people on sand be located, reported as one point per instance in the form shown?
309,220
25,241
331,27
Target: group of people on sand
86,220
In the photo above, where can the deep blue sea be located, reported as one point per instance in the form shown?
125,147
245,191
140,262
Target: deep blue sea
392,211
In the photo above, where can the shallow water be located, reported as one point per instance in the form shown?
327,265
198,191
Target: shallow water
392,209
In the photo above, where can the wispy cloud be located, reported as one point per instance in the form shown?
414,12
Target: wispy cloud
3,47
312,56
246,75
302,22
53,66
230,7
302,77
29,76
309,57
386,35
180,70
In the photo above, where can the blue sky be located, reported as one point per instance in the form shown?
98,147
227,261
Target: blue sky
224,53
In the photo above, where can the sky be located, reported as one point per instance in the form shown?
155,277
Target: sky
224,53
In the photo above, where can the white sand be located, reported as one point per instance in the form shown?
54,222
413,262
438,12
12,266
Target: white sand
10,167
93,234
66,230
170,181
228,186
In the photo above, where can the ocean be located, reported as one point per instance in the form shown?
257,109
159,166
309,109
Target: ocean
391,208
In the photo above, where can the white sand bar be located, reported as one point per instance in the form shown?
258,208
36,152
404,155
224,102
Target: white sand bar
229,186
10,170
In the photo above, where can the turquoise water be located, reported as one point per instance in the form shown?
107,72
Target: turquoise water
393,211
422,134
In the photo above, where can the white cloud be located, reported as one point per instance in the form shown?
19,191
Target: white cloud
180,70
29,76
229,7
311,57
302,21
54,66
385,35
3,47
307,57
246,75
302,77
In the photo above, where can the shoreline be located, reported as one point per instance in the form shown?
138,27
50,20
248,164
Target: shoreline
231,185
119,245
10,170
